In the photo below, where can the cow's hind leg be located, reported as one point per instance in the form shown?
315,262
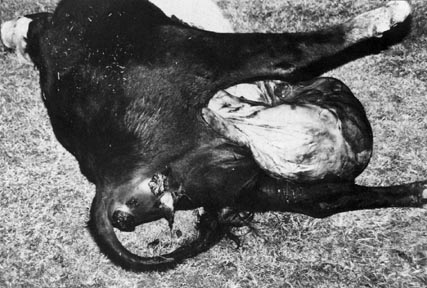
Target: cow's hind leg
295,57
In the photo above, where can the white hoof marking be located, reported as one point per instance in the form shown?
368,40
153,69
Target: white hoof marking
393,13
375,22
14,36
399,10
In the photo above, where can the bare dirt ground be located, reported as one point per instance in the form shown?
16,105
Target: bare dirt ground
44,199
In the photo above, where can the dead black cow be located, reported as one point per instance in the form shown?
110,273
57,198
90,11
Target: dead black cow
125,87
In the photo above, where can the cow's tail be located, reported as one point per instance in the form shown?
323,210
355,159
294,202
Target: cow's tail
103,233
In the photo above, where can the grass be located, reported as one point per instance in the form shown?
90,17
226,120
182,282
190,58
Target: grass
45,200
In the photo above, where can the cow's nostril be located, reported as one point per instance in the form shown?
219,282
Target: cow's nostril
123,221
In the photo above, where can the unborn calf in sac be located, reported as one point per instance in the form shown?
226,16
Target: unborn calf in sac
152,110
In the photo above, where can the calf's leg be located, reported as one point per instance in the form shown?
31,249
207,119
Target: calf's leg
325,199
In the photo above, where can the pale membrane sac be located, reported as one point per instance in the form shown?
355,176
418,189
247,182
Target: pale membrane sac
301,142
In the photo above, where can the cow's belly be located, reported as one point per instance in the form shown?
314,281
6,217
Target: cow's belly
301,142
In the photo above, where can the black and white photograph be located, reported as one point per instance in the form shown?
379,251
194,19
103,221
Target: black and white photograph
213,143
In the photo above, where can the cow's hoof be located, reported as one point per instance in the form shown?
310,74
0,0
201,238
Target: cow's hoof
400,10
123,221
376,22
